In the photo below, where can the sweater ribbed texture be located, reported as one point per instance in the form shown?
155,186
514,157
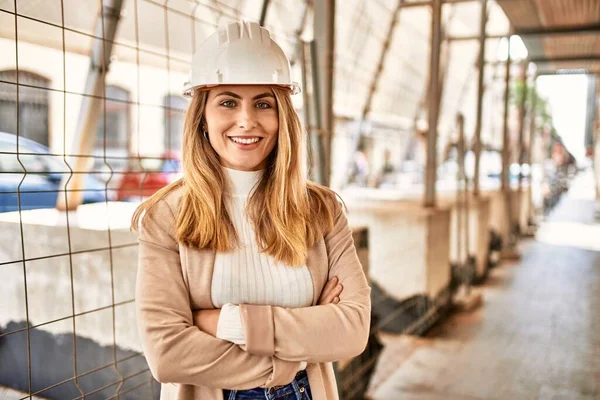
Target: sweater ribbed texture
247,276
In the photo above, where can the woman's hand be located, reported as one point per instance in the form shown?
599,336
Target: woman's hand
331,292
207,320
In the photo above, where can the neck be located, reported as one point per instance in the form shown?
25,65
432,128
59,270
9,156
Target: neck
242,182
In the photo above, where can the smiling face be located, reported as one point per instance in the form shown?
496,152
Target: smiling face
242,124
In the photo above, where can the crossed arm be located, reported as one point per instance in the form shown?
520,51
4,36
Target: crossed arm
178,352
208,320
175,349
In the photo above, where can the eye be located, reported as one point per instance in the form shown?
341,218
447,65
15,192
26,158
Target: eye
228,103
263,104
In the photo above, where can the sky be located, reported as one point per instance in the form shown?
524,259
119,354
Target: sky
567,97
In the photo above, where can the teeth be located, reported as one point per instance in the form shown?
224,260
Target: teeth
245,141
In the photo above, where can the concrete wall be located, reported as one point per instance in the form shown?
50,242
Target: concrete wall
525,208
408,246
100,274
499,217
479,238
477,230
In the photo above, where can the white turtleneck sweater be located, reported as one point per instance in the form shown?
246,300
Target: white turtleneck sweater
247,276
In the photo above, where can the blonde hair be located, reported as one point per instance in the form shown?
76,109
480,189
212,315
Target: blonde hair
289,213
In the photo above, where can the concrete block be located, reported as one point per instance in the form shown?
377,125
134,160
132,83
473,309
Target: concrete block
477,231
408,245
480,226
499,217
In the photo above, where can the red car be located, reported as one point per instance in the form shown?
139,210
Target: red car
139,182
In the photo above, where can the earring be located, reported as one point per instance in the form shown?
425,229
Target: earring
204,132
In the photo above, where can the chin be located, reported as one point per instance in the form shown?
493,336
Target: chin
245,166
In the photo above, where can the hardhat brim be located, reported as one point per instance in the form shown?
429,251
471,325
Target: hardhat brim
188,89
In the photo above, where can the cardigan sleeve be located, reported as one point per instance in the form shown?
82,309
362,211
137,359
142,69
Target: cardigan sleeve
323,333
176,350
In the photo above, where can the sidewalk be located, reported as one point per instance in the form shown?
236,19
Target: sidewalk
537,335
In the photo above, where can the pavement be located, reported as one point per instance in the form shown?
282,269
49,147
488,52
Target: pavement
537,335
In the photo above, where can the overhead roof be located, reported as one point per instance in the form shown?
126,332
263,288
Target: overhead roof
559,34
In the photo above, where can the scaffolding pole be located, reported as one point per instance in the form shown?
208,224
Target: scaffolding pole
434,76
324,25
480,89
530,144
596,150
316,121
462,210
83,141
506,189
521,126
505,133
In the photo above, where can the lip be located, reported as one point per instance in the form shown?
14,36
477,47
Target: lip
245,136
243,146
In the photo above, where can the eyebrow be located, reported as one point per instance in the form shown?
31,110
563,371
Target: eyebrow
237,96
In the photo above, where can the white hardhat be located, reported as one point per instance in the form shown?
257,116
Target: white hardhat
240,53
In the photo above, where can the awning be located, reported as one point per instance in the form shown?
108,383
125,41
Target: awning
560,35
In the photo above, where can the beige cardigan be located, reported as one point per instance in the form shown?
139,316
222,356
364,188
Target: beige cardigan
174,279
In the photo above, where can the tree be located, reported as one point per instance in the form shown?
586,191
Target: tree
520,89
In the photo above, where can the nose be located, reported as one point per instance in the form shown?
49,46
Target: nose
247,118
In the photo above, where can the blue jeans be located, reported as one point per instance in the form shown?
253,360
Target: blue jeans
298,389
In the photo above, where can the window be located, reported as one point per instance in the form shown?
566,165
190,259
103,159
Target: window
114,123
174,115
32,118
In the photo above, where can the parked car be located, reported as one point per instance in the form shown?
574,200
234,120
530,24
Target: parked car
142,179
36,175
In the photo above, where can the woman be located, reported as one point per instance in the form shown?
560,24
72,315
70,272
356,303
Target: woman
248,282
